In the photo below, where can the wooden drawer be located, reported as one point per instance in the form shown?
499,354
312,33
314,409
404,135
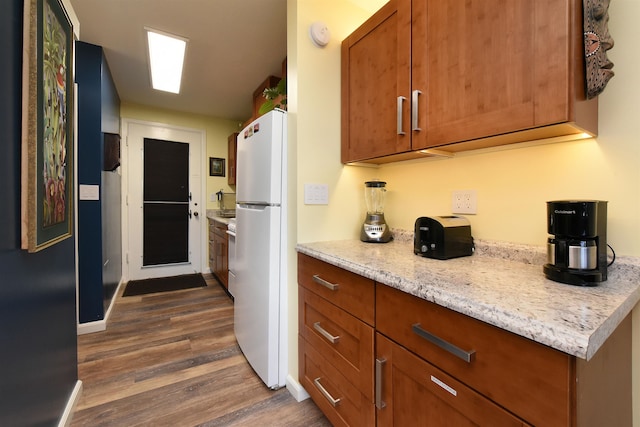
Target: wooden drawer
212,227
354,294
521,375
416,393
318,376
219,229
343,340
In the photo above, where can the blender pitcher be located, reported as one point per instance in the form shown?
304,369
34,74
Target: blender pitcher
375,229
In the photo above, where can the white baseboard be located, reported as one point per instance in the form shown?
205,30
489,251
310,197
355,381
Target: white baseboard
67,415
91,327
296,389
99,325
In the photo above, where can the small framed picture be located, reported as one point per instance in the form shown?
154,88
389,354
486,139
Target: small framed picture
216,166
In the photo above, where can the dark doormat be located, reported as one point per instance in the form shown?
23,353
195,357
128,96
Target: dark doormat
164,284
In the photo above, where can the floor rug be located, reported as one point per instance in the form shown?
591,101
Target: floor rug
164,284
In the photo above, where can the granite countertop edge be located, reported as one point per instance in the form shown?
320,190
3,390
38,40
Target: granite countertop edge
488,286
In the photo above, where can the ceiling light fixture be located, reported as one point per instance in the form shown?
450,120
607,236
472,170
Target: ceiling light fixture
166,58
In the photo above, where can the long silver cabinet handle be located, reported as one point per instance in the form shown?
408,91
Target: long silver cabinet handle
334,402
414,110
401,100
324,333
467,356
379,364
329,285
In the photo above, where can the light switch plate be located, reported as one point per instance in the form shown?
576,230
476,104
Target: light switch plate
316,194
88,192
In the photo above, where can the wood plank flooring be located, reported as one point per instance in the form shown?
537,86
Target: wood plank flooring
171,359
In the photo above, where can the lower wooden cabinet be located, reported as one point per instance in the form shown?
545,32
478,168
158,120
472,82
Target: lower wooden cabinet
338,398
413,392
421,364
336,341
492,361
219,251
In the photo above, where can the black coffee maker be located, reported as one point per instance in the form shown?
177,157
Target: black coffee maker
577,252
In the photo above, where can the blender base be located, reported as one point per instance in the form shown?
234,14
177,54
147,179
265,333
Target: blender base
375,230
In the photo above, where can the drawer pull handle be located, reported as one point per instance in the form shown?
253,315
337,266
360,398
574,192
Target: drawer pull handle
414,110
467,356
379,364
334,402
328,285
399,130
324,333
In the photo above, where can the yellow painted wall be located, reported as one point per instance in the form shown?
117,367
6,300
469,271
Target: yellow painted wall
313,81
513,185
217,130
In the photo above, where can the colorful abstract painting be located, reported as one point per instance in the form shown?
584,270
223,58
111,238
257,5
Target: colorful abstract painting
54,153
47,125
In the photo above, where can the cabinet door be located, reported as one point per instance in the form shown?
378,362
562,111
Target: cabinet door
412,392
349,291
220,258
472,62
337,397
527,378
232,147
345,341
376,71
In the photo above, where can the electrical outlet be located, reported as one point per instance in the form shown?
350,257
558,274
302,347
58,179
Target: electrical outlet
464,202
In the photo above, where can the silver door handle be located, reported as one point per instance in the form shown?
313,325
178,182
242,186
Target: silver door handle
328,285
467,356
379,364
401,100
332,339
326,394
414,110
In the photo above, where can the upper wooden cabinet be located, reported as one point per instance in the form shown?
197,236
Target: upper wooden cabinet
462,75
232,148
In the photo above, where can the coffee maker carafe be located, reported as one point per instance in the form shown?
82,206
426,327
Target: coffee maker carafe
577,252
375,229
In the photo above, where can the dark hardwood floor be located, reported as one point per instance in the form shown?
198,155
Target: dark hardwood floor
171,359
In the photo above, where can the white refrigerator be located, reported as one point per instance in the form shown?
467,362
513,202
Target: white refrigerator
260,289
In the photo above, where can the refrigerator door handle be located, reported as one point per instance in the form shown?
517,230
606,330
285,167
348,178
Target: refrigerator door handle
256,205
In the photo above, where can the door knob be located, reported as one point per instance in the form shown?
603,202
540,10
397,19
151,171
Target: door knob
195,214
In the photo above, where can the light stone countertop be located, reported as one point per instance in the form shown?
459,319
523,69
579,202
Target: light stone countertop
211,214
501,284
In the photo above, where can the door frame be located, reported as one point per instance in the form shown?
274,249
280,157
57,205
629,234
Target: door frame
124,158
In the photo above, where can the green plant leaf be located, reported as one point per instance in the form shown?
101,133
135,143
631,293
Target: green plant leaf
266,107
272,93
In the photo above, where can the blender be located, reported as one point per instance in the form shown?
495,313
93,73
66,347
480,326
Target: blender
375,228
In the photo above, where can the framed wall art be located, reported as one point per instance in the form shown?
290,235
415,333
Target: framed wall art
216,166
47,125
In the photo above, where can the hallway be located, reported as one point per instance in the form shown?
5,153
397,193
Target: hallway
171,359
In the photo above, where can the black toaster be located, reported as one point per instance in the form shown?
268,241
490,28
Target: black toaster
442,237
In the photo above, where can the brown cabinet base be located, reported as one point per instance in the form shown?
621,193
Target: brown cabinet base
219,252
510,380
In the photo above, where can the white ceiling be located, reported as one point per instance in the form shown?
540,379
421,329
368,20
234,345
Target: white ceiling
234,45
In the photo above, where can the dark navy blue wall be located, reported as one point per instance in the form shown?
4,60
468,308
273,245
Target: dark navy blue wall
38,342
90,292
99,226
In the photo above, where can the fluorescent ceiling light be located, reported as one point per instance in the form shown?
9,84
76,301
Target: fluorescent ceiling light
166,57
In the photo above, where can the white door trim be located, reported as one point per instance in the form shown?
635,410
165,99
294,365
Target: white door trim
124,159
